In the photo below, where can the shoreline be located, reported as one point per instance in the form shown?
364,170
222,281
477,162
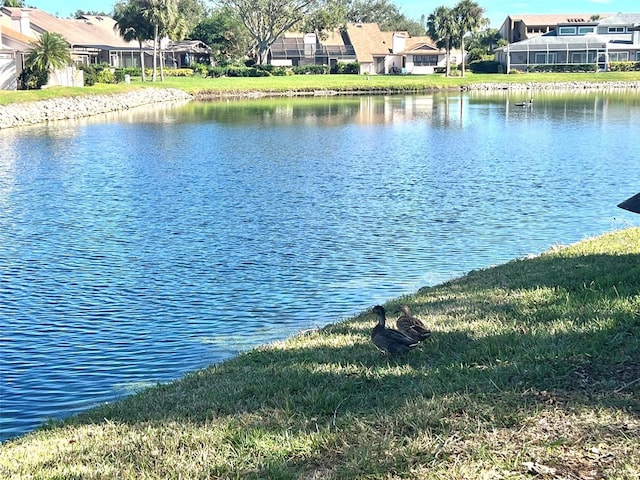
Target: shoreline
69,108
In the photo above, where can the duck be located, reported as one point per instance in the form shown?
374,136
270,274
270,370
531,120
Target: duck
411,326
528,103
388,340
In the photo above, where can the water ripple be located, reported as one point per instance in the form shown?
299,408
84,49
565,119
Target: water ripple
124,264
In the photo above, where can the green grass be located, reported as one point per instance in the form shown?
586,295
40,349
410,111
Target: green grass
310,83
533,371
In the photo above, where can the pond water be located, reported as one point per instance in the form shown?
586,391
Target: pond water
139,246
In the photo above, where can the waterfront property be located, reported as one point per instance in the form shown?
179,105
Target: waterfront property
377,51
593,42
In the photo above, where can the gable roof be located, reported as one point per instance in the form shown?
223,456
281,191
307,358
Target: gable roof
421,45
367,40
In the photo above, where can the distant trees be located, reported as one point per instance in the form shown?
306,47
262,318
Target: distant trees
223,31
80,13
266,20
450,26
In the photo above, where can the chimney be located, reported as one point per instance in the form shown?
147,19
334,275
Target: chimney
20,21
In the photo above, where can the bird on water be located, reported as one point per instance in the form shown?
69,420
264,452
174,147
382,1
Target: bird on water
388,340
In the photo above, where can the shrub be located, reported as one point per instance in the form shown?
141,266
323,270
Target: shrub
179,72
563,68
33,78
119,75
198,69
346,68
90,75
624,66
105,76
484,66
310,70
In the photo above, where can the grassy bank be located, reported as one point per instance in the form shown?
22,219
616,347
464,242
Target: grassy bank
533,371
310,83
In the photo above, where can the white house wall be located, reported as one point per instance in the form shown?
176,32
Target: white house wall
8,72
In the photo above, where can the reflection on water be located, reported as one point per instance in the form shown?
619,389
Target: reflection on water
135,247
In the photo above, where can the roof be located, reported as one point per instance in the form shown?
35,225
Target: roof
367,40
621,19
16,36
188,46
90,30
555,19
421,46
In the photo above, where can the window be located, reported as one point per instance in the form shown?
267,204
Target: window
567,31
585,30
618,56
540,58
578,57
615,30
638,56
425,60
583,57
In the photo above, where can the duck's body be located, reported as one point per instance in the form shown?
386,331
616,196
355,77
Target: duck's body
388,340
412,326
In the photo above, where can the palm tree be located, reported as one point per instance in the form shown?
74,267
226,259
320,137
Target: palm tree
441,27
49,52
469,18
133,26
161,14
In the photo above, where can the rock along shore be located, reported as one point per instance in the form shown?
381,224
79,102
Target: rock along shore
65,108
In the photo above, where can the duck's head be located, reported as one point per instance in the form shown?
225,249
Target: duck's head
379,311
404,309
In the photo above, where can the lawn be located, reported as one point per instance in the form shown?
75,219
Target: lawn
532,371
310,83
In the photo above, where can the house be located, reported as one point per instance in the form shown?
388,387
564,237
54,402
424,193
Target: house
299,49
92,39
376,51
13,48
517,28
596,41
381,52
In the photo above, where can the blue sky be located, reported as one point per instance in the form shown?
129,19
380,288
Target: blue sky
496,10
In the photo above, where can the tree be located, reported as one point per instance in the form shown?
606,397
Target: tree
442,27
266,20
328,16
188,14
49,52
385,13
133,26
469,19
14,3
481,44
223,31
81,13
